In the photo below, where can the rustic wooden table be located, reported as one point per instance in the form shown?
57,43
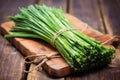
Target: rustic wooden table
102,15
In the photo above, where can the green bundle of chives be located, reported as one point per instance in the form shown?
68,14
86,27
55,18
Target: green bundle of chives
79,51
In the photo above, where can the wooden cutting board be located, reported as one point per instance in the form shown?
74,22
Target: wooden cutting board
54,66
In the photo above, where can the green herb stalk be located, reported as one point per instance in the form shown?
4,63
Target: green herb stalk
79,51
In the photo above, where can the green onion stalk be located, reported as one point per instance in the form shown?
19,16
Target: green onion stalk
81,52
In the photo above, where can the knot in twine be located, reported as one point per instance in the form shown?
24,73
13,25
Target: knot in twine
39,60
58,33
64,30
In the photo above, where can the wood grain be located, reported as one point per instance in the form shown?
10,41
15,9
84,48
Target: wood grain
88,12
11,62
54,3
54,66
110,10
35,75
8,7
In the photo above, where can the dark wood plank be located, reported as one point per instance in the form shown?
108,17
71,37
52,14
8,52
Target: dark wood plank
8,7
110,10
11,62
55,3
90,12
35,75
87,11
111,72
108,73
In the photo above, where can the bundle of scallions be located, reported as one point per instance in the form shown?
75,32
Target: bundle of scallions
79,51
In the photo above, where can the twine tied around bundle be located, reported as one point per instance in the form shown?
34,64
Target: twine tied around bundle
58,33
64,30
39,60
